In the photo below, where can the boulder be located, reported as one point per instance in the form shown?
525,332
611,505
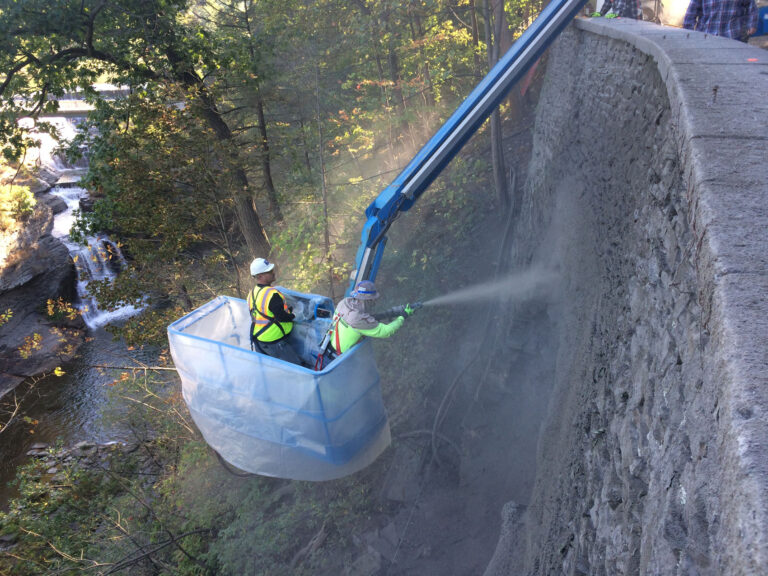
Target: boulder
86,204
55,203
29,251
35,267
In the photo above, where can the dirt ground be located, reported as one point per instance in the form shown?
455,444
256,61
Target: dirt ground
452,525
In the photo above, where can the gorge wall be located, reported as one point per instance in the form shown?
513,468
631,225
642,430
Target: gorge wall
35,267
648,193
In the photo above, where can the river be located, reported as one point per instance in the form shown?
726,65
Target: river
77,406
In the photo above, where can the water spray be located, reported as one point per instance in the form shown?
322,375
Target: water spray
519,286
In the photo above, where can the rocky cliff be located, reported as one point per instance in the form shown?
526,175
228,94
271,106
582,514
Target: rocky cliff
35,267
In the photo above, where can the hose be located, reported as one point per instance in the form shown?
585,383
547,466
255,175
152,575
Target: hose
442,410
231,469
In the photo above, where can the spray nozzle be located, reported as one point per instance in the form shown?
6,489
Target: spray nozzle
411,308
404,310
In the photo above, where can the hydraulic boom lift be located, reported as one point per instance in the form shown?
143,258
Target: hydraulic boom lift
445,144
274,418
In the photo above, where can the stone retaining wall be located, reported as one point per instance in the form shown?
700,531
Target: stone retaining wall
648,192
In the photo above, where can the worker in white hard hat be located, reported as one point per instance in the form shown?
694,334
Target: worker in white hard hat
353,319
271,318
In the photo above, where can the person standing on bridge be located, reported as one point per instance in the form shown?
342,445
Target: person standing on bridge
271,318
735,19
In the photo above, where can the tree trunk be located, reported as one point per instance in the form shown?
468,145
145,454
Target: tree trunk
504,41
417,33
326,230
497,158
250,224
266,166
476,39
502,34
375,36
384,94
307,163
394,77
497,150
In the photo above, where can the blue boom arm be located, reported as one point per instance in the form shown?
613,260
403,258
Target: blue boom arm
400,195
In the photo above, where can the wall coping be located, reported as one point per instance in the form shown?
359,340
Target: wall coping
718,94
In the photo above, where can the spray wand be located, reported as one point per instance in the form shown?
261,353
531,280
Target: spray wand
403,310
396,311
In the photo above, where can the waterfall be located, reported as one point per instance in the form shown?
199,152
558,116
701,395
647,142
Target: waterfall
100,258
48,157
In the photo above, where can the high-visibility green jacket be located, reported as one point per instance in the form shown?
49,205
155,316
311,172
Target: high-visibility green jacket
344,336
266,327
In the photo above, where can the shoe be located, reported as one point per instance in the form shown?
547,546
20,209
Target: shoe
595,15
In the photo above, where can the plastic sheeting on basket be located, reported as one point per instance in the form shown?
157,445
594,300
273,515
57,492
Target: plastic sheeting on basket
271,417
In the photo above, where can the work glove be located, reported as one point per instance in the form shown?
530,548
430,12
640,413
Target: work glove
408,310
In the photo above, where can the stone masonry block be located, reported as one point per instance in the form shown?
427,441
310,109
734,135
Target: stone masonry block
716,101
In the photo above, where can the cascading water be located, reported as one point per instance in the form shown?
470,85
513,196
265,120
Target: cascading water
100,258
76,406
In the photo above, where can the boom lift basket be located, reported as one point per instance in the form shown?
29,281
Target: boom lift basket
271,417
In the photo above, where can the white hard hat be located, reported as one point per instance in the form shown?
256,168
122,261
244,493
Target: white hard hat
261,265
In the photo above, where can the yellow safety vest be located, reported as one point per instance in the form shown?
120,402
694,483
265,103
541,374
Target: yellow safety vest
265,327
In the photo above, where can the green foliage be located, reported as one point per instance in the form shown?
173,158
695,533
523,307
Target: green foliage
164,186
157,183
49,47
56,519
365,84
171,496
16,203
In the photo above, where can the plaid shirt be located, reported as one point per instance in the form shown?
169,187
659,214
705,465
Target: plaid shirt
729,18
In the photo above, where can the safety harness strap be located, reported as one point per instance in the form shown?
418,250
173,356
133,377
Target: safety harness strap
256,308
336,320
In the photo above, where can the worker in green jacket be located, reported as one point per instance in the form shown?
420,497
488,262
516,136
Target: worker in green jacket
353,319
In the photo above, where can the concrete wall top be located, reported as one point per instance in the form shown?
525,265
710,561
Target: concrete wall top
718,93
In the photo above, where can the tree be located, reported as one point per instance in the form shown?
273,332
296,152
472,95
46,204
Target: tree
49,47
161,182
246,35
